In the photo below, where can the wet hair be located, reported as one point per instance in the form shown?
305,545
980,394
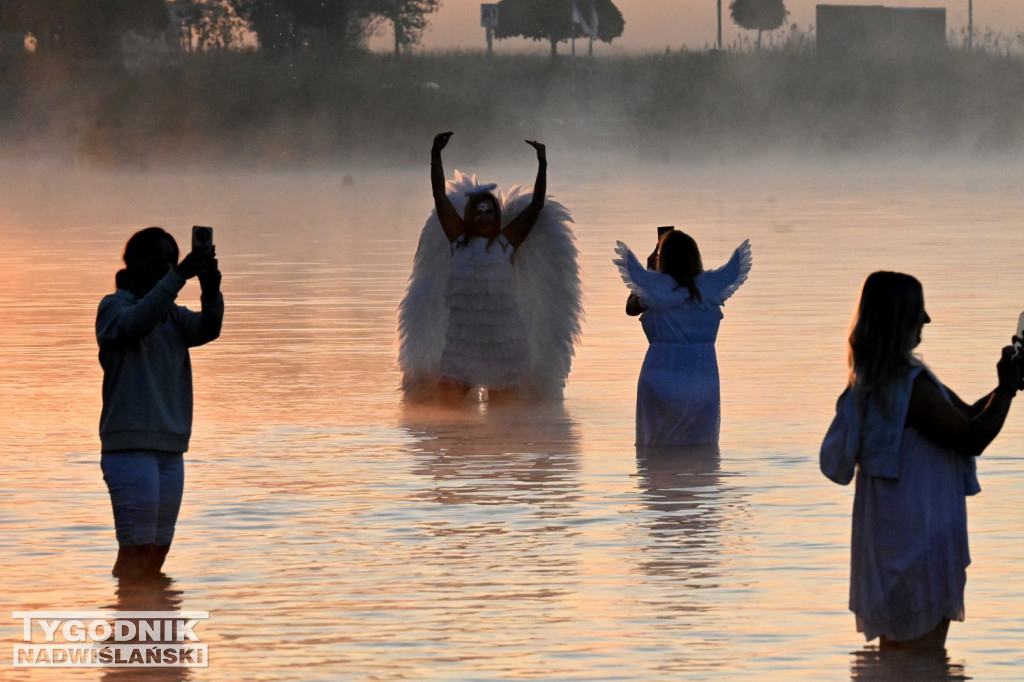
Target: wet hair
471,202
140,247
883,335
679,256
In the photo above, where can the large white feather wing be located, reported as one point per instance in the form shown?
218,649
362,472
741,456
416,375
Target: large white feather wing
422,315
716,286
549,294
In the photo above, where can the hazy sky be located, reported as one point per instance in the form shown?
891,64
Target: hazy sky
653,25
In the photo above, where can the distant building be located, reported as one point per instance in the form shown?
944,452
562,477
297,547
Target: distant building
874,30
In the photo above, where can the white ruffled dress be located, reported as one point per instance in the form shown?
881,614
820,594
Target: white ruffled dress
485,342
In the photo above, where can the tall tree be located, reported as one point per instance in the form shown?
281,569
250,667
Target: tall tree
552,20
758,15
407,17
286,24
273,24
210,24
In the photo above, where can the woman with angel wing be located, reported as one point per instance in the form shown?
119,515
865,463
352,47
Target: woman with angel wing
680,307
484,306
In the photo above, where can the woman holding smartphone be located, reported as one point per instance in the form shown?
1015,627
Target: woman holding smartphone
146,422
912,444
680,307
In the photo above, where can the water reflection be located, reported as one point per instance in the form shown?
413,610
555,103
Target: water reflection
155,595
682,486
871,664
490,544
526,454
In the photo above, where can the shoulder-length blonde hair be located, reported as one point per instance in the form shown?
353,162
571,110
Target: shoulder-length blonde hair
883,335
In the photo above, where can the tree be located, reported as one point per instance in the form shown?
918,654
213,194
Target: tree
552,20
759,15
273,25
210,24
408,17
287,24
82,29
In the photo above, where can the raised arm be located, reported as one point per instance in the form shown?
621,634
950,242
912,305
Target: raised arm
204,326
519,227
451,221
120,320
966,429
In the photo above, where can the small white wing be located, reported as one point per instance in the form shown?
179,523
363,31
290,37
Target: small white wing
718,285
650,286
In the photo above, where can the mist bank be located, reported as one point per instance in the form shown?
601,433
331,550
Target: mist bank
316,108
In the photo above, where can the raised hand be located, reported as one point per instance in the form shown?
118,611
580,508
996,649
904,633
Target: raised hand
541,150
440,142
1008,369
209,277
196,262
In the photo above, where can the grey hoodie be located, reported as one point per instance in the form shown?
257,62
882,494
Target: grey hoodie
147,373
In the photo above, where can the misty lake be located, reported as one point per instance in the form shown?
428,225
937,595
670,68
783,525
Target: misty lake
333,533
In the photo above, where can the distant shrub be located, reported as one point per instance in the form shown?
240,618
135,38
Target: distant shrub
321,107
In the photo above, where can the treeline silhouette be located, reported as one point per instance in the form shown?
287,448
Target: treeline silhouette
319,107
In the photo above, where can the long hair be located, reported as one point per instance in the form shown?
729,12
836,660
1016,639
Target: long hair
679,256
883,335
139,247
467,213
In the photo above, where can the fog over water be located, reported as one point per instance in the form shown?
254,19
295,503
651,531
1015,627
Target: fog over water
334,533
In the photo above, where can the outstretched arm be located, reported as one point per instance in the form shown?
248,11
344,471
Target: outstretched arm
451,222
966,429
519,228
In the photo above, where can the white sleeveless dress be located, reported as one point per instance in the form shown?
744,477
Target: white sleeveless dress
485,342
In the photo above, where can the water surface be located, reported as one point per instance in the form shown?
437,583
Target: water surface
334,533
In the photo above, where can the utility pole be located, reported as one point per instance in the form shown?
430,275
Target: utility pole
593,27
970,24
719,25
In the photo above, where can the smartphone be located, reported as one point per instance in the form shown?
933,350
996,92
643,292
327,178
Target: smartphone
202,238
1020,332
665,229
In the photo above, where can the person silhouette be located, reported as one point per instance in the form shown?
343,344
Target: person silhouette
491,303
146,419
678,397
912,444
